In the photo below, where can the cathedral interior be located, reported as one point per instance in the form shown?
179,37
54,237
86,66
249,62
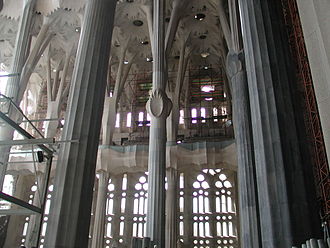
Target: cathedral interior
164,123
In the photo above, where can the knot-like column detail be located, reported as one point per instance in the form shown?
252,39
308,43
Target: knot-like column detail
234,63
159,105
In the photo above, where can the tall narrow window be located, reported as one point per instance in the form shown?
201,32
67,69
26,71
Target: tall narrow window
215,114
223,110
193,115
181,120
117,120
129,120
141,114
203,115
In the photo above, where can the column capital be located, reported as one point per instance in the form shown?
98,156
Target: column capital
234,63
159,105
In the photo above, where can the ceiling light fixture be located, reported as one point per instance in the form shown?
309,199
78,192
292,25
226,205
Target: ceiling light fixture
200,16
208,99
149,59
138,23
145,42
205,54
126,62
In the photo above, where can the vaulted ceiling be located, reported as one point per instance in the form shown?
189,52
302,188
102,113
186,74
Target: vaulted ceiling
192,25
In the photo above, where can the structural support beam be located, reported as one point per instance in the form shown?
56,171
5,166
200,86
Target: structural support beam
159,107
19,202
73,188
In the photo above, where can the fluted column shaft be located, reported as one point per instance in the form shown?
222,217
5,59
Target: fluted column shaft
248,201
275,218
99,219
73,188
21,48
188,209
158,107
21,51
171,208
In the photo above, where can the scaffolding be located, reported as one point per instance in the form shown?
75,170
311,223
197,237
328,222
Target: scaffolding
13,118
312,119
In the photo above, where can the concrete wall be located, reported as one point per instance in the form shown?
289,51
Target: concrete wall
315,20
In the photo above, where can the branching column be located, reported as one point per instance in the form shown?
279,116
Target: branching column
70,210
99,223
159,107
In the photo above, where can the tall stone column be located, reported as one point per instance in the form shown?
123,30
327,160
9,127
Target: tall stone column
158,107
287,206
129,210
21,51
21,47
99,219
248,200
73,188
272,192
188,208
171,208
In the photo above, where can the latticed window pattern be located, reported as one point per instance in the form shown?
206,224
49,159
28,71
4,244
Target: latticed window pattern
126,208
27,223
211,220
206,209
